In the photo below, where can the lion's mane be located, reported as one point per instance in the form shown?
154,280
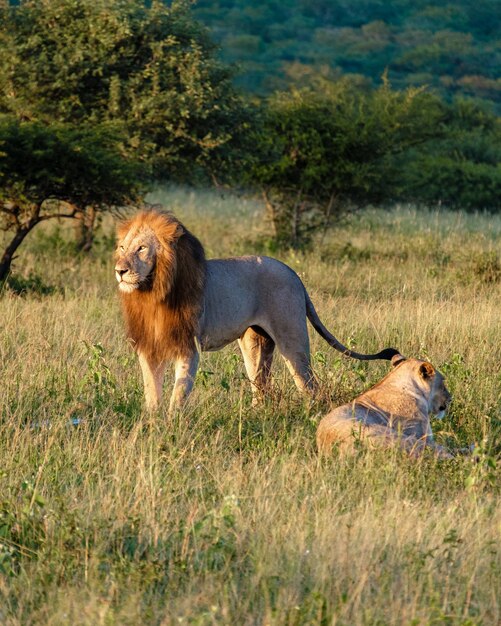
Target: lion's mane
162,315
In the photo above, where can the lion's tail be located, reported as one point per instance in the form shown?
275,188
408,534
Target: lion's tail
387,354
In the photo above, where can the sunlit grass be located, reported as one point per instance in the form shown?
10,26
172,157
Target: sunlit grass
225,514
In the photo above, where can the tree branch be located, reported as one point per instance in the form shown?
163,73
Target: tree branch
44,218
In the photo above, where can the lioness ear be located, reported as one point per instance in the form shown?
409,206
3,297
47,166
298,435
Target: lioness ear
397,359
427,370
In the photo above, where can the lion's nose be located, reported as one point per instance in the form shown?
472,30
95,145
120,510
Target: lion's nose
121,271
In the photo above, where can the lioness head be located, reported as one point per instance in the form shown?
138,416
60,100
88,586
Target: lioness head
429,381
440,397
145,244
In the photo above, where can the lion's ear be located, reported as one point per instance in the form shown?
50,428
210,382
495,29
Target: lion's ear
397,359
169,233
178,232
426,370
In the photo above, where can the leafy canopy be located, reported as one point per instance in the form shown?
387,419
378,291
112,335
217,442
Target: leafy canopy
151,68
321,152
78,165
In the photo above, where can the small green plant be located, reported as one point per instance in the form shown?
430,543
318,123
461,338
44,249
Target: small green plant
204,376
209,543
98,377
484,469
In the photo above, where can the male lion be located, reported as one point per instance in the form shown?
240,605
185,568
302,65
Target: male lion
395,411
175,303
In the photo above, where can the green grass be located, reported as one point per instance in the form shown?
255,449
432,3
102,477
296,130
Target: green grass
225,515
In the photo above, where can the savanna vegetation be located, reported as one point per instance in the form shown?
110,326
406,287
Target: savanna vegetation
453,47
224,514
137,89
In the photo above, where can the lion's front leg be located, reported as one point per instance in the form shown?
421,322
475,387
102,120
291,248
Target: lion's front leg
153,378
185,372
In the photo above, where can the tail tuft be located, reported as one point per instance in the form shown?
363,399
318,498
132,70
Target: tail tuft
387,354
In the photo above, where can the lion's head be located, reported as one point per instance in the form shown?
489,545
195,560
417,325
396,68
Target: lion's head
146,250
428,380
160,269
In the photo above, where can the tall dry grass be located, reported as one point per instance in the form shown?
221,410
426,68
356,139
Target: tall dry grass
225,514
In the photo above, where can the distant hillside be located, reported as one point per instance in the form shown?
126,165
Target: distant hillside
455,47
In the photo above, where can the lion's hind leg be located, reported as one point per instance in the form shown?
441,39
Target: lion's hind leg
257,350
295,349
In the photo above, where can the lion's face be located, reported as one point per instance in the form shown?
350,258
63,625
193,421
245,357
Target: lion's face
136,256
427,381
433,382
440,397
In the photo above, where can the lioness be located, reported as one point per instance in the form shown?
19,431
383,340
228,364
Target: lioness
175,303
395,411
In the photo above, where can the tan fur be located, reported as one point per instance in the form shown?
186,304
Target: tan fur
395,411
174,302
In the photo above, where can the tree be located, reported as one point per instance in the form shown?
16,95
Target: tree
453,46
51,172
152,68
149,67
321,152
462,168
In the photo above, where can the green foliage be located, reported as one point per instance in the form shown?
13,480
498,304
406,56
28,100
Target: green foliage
461,169
98,377
150,68
79,165
211,541
452,46
32,284
319,153
22,527
57,170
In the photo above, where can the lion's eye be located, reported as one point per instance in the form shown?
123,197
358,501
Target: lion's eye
141,248
121,248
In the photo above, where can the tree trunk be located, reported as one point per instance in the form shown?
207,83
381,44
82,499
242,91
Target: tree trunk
85,229
327,216
271,214
296,220
10,250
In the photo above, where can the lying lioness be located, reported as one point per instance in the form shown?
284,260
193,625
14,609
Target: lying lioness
395,411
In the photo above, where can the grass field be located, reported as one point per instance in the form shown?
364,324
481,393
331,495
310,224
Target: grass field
224,515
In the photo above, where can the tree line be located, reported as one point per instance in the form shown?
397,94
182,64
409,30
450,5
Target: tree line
99,98
453,47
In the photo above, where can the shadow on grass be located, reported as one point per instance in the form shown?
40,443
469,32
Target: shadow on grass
31,285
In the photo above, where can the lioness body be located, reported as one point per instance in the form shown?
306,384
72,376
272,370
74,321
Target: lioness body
395,411
175,302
